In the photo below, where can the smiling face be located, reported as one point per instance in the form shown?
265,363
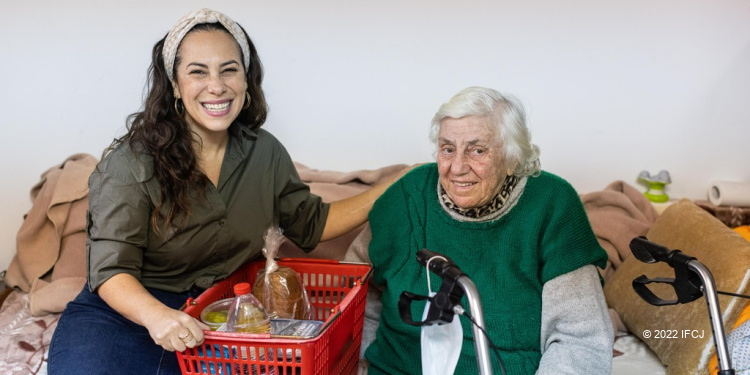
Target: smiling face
470,165
210,80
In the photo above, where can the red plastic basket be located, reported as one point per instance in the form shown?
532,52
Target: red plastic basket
337,294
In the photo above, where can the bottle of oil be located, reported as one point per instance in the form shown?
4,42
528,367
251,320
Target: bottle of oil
246,313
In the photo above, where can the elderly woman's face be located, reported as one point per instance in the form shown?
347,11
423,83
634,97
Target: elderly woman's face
469,162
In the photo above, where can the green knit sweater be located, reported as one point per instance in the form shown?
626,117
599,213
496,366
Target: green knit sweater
545,235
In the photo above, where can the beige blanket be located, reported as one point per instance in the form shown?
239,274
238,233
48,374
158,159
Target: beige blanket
617,215
50,259
332,186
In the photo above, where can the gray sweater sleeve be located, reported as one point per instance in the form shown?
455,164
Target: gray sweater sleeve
576,333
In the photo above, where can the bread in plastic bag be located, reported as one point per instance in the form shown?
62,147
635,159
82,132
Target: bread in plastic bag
280,289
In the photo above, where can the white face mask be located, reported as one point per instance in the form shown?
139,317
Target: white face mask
441,344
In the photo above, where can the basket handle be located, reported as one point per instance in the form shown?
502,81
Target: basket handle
345,333
335,312
344,336
310,260
187,303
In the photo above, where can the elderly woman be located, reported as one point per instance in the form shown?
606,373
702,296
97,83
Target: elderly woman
521,235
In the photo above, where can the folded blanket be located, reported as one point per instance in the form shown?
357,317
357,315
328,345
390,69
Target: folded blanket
50,259
617,215
367,177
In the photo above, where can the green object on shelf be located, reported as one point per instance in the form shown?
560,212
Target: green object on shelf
656,184
656,193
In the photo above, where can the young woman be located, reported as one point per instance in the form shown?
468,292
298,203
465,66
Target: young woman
183,200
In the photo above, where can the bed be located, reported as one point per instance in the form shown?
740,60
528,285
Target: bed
618,213
24,338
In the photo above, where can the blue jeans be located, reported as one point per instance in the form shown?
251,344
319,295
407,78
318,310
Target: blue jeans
92,338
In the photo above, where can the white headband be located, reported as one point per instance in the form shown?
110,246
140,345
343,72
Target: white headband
187,22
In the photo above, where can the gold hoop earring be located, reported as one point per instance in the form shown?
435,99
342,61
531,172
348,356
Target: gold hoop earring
177,107
248,99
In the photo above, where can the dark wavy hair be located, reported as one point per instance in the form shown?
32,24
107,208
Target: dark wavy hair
159,131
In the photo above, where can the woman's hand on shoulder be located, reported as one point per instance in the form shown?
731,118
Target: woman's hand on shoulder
406,170
409,168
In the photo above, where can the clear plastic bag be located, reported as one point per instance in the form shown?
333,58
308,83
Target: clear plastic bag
280,289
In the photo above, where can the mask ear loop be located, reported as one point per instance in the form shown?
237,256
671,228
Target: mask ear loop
427,271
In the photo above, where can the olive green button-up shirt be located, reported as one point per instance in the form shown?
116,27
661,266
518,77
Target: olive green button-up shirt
258,186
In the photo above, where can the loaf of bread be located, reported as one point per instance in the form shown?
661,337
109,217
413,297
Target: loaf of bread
283,294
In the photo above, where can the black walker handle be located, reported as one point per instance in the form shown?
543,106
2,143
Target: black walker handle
691,280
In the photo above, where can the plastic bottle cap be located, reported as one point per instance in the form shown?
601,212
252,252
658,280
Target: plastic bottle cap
241,288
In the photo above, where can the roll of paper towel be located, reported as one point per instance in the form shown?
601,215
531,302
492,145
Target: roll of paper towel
729,193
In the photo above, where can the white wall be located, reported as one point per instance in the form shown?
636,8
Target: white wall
611,87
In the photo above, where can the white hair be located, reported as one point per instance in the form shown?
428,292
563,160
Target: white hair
506,115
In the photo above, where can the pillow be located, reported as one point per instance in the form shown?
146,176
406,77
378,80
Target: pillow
689,228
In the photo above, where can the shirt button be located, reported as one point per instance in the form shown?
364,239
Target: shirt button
205,283
221,222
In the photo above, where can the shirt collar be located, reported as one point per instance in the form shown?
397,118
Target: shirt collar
241,141
243,137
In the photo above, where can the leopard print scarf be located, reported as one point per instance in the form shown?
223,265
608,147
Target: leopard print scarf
489,209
